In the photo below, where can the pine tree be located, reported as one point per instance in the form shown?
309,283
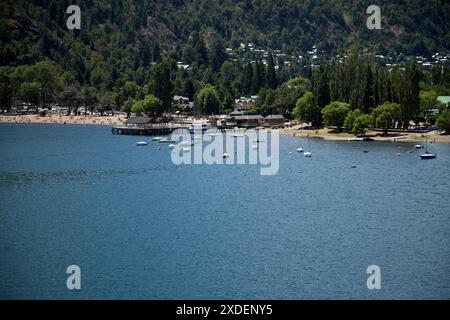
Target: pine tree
258,76
367,97
412,99
271,75
217,54
163,83
321,87
247,79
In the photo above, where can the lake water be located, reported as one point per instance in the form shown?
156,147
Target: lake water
141,227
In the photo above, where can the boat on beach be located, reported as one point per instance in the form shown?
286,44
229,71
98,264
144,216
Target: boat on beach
141,143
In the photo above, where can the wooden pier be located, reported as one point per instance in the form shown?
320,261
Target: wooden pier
147,130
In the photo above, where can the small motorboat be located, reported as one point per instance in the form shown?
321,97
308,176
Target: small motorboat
418,146
187,143
141,143
172,146
355,139
308,154
300,150
225,156
157,138
165,140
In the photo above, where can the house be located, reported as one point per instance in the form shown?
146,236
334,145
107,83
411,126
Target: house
247,121
139,122
275,119
180,103
245,103
236,113
444,99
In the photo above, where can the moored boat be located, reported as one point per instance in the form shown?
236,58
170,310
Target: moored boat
427,155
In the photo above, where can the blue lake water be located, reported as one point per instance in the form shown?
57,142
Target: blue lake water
141,227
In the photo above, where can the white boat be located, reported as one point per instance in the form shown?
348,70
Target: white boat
157,138
186,149
165,140
300,150
308,154
141,143
418,146
427,155
187,143
225,156
254,146
212,134
202,127
172,146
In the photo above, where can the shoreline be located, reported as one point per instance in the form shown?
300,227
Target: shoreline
325,134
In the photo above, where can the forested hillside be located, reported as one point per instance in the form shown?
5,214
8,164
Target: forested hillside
128,49
32,29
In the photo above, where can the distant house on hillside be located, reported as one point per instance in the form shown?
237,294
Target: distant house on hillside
182,104
444,99
245,103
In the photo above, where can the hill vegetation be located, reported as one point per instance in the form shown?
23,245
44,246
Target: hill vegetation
135,55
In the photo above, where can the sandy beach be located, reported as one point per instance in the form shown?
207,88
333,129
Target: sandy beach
62,119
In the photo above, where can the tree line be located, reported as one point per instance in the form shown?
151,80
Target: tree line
353,83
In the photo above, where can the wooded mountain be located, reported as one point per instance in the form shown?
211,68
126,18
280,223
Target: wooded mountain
135,31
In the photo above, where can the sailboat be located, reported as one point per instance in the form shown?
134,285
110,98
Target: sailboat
300,149
308,154
427,155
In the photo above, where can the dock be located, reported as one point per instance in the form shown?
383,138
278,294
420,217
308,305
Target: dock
148,129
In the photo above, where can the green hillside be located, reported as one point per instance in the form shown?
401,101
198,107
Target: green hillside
127,49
